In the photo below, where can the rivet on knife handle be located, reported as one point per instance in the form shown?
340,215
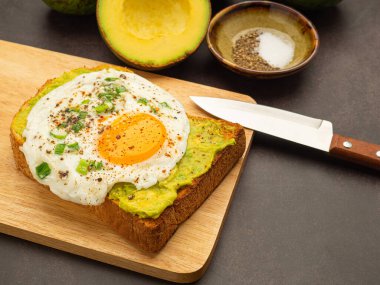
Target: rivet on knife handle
357,151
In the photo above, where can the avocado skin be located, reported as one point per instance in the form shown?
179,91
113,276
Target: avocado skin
310,4
72,7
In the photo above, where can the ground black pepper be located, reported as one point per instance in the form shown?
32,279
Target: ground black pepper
245,55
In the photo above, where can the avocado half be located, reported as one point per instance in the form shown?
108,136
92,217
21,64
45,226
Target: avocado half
310,4
72,7
155,34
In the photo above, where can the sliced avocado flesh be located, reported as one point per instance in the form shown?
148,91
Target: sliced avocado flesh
153,34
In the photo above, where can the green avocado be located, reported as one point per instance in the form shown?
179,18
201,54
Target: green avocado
310,4
206,139
153,34
19,121
72,7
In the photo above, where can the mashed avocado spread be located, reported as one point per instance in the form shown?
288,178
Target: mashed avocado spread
19,122
206,139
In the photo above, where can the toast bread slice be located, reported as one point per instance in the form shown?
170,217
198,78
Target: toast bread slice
148,234
152,234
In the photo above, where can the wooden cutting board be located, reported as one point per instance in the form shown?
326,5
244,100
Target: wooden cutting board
29,211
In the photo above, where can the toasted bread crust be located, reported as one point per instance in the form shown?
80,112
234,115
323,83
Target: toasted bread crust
152,234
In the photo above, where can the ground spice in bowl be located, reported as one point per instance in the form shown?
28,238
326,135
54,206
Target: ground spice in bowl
262,49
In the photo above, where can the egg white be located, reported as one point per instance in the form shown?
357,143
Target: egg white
91,189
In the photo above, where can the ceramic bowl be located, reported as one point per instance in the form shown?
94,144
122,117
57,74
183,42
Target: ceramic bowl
262,14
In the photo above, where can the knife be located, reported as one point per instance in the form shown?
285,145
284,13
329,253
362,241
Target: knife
294,127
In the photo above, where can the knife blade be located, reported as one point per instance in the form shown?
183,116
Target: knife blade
311,132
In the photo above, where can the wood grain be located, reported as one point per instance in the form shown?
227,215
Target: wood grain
29,211
356,151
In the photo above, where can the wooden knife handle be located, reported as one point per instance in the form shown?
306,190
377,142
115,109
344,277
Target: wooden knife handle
356,151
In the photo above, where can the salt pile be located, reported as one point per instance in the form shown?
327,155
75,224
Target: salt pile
276,48
263,49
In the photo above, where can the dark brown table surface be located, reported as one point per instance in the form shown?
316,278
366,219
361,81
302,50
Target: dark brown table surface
298,216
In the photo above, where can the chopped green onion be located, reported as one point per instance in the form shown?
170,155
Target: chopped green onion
82,167
113,90
111,79
95,165
62,125
58,134
143,101
77,126
107,105
109,89
82,114
59,148
43,170
106,96
87,165
76,109
74,146
98,165
101,108
85,102
120,88
153,109
164,104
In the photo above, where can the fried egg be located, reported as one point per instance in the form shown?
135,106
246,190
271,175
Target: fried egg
102,128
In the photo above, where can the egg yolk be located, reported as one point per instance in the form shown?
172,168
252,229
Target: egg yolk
132,139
